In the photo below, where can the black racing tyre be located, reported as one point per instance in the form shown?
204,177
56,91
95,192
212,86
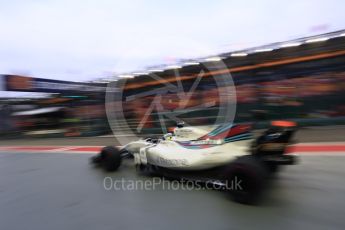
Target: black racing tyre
111,158
272,168
96,160
246,178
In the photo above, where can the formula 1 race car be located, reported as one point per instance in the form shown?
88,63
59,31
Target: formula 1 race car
217,155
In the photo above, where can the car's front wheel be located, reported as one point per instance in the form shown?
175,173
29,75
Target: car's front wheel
111,158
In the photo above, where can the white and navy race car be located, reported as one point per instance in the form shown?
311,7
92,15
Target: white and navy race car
211,155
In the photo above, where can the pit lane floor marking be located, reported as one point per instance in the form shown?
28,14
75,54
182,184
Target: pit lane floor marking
326,148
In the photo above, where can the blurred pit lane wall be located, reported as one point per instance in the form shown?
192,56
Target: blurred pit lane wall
52,108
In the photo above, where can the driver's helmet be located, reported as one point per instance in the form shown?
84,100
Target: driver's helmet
168,136
180,124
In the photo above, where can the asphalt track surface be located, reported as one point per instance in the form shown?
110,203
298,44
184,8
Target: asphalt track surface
62,191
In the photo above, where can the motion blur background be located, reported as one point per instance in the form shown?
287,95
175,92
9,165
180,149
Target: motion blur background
286,61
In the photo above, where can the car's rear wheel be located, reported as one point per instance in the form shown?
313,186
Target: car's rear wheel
245,178
111,158
272,168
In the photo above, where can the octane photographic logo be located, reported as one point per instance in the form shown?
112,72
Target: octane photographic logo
158,183
134,106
